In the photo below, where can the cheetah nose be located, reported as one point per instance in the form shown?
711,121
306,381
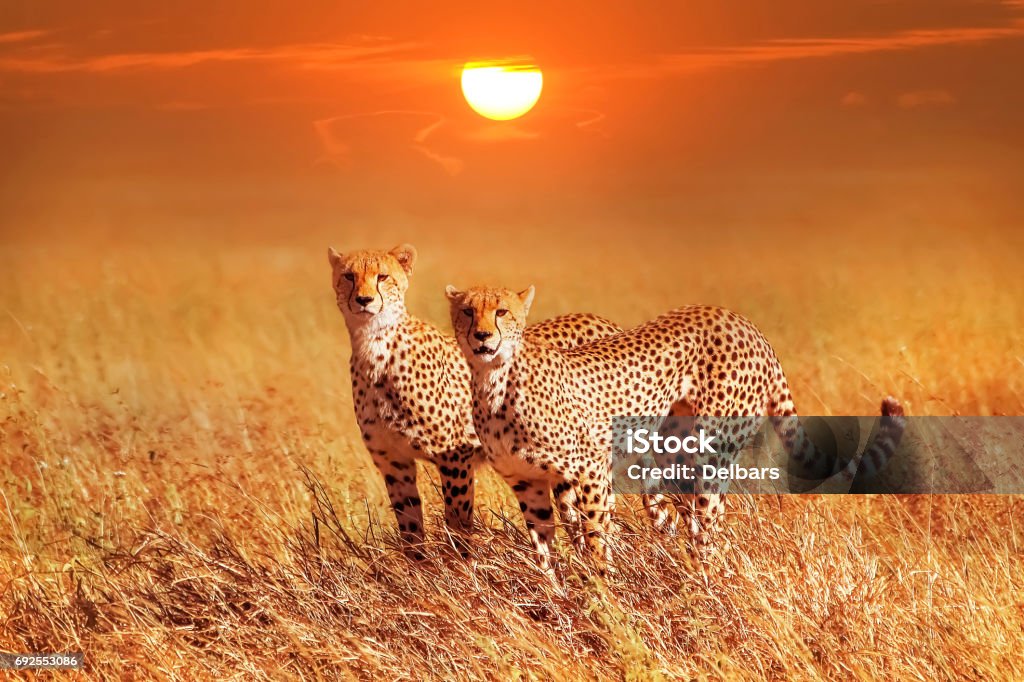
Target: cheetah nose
364,300
483,336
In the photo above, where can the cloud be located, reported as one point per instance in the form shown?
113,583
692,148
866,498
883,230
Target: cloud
341,135
590,121
557,121
182,105
918,99
854,99
811,48
375,57
500,132
54,58
450,164
57,59
361,140
21,36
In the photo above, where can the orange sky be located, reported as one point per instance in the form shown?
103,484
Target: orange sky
116,116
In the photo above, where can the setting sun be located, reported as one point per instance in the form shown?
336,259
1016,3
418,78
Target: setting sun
500,90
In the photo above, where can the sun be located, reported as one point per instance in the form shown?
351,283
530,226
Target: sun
501,90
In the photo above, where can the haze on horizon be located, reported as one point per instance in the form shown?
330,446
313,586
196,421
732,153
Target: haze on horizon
129,120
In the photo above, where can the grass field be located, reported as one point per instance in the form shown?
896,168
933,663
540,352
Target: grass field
183,493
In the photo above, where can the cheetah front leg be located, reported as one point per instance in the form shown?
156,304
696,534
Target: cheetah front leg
535,503
706,507
585,511
567,498
457,470
595,502
400,481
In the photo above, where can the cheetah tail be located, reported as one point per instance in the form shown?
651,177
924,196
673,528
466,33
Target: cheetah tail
808,462
877,453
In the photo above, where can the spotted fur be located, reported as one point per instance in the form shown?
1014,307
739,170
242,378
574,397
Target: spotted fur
544,414
411,385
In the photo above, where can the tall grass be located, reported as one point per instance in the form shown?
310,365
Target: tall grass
184,496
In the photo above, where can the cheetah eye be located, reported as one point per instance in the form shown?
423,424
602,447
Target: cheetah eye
381,277
501,312
350,277
468,312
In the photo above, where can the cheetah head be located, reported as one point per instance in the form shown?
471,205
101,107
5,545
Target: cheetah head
371,285
489,323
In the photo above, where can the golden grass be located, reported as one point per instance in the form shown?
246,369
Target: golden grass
183,494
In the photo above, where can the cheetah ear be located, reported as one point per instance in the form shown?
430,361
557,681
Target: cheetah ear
406,256
526,296
333,257
452,293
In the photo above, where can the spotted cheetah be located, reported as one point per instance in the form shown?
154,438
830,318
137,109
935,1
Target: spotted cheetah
544,414
411,385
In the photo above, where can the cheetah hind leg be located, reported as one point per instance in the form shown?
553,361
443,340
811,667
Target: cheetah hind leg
663,509
699,505
705,508
662,512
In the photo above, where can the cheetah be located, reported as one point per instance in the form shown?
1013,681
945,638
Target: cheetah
411,385
544,415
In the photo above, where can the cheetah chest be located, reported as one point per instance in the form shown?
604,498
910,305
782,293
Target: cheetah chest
397,412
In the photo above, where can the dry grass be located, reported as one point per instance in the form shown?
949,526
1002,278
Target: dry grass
183,496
